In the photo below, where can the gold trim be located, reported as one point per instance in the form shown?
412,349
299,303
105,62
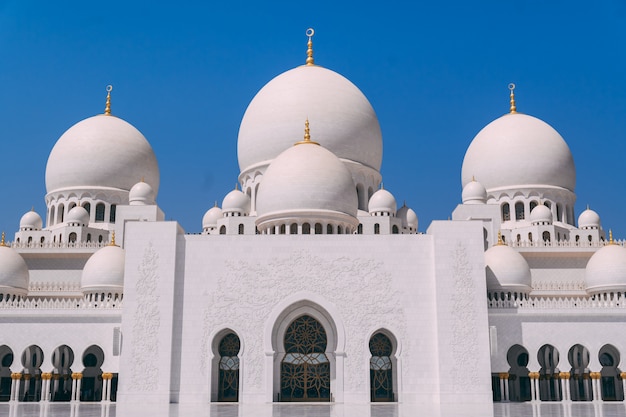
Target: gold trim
46,376
2,241
513,108
564,375
77,375
595,375
107,106
107,375
503,375
309,52
533,375
16,375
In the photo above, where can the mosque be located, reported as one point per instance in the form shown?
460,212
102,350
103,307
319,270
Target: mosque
309,283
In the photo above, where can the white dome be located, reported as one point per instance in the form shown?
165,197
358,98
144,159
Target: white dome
382,201
141,194
14,276
474,193
211,217
606,270
31,220
541,214
345,121
307,181
101,151
507,270
104,271
408,217
589,219
517,150
236,202
78,215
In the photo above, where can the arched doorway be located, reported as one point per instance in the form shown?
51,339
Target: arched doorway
580,381
61,384
549,382
91,384
6,360
305,368
30,384
611,384
519,382
228,379
381,369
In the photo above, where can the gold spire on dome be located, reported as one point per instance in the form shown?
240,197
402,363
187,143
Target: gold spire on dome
307,135
3,242
611,241
112,239
500,240
309,52
107,107
513,109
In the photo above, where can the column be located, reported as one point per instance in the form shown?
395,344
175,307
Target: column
565,386
106,386
45,386
504,386
595,383
76,379
15,385
534,391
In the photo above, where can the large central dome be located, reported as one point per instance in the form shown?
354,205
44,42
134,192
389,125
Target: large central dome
343,117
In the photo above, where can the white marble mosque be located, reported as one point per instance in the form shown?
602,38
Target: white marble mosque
308,291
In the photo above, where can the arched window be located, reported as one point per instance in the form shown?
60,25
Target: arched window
533,204
87,206
394,229
30,384
62,359
222,230
88,237
339,230
306,229
518,238
228,381
99,239
305,369
100,212
359,229
506,212
30,240
282,229
611,383
559,212
318,228
52,219
91,383
376,229
549,382
72,237
589,238
519,211
112,213
530,237
42,240
546,236
329,229
293,229
240,229
580,382
381,369
61,213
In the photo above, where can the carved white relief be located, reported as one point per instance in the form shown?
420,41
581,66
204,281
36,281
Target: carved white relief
251,289
146,324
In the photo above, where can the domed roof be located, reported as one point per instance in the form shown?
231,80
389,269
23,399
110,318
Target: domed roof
507,270
31,220
606,270
141,194
588,219
104,271
14,275
101,151
474,193
236,202
306,180
518,150
211,216
346,123
541,214
78,215
382,201
408,217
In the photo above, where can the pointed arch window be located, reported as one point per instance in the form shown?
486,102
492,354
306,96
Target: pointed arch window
229,347
381,369
519,211
506,212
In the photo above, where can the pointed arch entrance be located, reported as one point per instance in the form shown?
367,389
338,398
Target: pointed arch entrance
228,378
611,384
381,368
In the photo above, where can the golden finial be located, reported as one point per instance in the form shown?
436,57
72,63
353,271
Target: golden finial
309,52
587,206
307,135
473,179
3,243
215,205
611,241
107,107
112,239
500,241
512,89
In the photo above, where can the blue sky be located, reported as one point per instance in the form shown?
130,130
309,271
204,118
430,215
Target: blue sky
435,72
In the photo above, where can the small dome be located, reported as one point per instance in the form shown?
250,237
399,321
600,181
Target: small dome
236,202
606,270
78,215
101,151
507,270
141,194
104,271
474,193
14,276
31,220
382,201
539,155
408,217
589,219
541,214
310,182
211,216
346,120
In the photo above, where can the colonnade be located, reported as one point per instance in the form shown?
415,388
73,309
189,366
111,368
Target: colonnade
47,377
